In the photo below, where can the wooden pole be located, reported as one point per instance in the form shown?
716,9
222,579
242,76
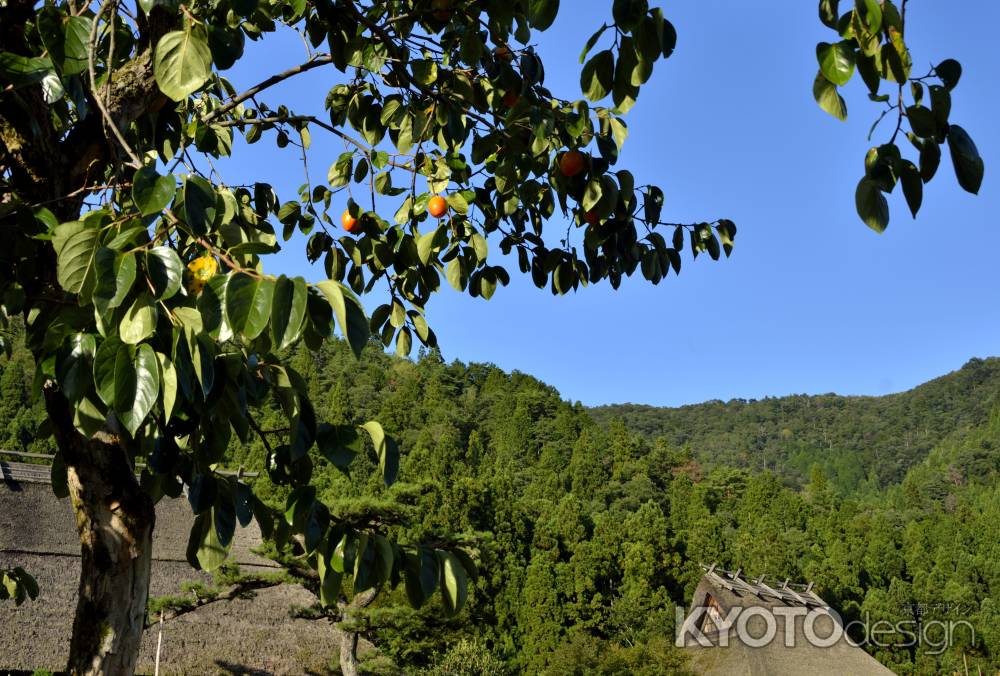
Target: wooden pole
159,644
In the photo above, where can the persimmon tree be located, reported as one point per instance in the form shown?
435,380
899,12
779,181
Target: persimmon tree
141,274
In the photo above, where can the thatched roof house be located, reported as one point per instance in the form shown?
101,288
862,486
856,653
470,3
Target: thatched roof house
746,627
246,635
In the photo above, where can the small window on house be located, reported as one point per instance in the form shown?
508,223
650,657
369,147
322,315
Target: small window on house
713,615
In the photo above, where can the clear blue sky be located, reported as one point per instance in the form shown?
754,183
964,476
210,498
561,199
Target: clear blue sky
811,301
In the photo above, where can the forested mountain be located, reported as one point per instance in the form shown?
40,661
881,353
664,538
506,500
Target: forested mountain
860,442
589,534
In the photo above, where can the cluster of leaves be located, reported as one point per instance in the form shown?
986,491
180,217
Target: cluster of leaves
871,43
17,584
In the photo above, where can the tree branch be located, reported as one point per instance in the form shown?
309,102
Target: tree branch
98,97
315,62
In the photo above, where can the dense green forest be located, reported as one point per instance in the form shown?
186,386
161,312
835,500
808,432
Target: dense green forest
861,443
589,524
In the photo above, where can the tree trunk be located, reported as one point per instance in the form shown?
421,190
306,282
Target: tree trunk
115,519
348,653
347,639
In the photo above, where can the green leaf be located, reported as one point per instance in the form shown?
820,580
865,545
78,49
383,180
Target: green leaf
480,246
182,61
289,311
329,579
940,105
88,419
20,71
77,35
457,201
65,38
825,93
457,274
628,14
836,61
913,186
429,571
212,309
151,192
652,205
75,366
202,490
298,506
454,583
950,72
205,551
248,304
165,271
598,75
339,444
592,194
868,70
104,368
921,121
541,13
168,381
137,385
340,171
404,343
424,71
487,283
384,560
364,558
871,205
871,11
200,204
350,315
75,267
430,242
969,168
224,515
139,322
387,451
829,13
115,276
226,45
930,158
420,324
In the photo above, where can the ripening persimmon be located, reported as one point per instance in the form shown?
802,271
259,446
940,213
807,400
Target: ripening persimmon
349,222
591,217
201,270
572,163
437,206
503,53
510,99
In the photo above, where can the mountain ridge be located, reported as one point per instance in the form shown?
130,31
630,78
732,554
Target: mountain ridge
793,433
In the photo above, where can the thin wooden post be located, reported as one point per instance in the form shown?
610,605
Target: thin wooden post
159,644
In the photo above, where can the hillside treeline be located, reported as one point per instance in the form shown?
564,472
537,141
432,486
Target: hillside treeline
589,526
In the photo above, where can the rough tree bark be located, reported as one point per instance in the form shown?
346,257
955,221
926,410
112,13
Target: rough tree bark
115,519
347,640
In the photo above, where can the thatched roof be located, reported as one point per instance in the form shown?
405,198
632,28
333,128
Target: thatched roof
775,658
252,635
